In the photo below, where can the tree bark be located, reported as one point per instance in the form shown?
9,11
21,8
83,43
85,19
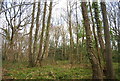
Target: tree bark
77,28
108,50
97,73
70,32
119,29
42,33
99,31
46,46
30,39
94,33
36,33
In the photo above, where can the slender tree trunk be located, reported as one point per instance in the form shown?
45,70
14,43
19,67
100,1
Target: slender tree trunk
11,49
56,42
64,45
99,31
94,33
36,32
82,45
46,46
71,35
71,42
42,33
77,34
97,73
30,38
108,50
56,45
119,28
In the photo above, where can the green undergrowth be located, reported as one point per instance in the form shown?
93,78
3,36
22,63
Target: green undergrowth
21,71
117,70
60,70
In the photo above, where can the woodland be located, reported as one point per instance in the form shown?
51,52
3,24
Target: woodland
60,39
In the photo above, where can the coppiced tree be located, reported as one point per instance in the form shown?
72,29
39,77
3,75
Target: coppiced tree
46,44
94,33
97,73
42,33
36,33
99,30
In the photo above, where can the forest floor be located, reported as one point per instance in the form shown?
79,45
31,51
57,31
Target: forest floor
61,70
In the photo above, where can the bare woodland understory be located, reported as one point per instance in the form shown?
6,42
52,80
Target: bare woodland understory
83,34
